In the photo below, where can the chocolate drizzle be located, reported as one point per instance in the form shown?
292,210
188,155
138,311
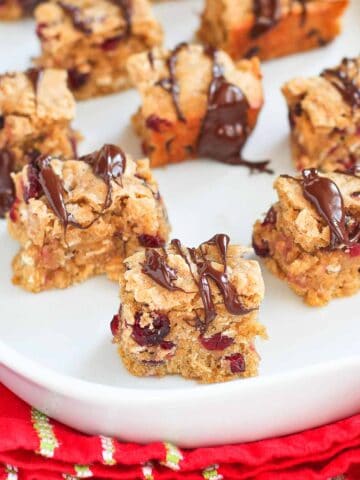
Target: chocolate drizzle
170,84
7,194
207,272
225,126
267,14
54,192
126,8
76,17
109,164
34,75
348,86
157,269
326,197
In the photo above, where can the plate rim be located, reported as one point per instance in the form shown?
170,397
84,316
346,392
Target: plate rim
80,389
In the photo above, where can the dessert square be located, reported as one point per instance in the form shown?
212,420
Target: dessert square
270,28
324,114
311,237
79,218
190,311
195,102
15,9
92,39
36,110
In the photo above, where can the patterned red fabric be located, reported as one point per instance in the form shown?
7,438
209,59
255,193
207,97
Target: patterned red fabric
34,447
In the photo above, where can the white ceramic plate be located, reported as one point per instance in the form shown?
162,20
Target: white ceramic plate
55,348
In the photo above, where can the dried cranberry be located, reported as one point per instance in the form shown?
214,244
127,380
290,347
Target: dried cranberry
151,334
165,345
33,189
112,43
216,342
151,241
355,250
2,122
39,30
14,213
76,79
270,218
153,122
114,325
262,249
237,362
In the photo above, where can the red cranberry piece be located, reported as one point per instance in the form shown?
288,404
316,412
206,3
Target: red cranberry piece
14,213
151,241
262,249
111,43
355,250
216,342
166,345
237,362
77,79
2,122
114,325
151,335
153,122
33,189
270,218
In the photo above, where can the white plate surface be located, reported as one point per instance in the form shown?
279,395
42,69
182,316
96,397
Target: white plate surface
55,347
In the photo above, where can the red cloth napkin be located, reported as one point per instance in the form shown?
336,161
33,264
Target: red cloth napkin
34,447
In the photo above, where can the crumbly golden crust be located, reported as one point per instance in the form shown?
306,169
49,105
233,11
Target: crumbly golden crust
324,127
10,10
294,241
36,115
53,256
92,40
166,138
147,306
228,24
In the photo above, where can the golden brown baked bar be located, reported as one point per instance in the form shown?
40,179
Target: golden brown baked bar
78,218
191,312
270,28
15,9
36,110
195,102
92,39
324,114
311,237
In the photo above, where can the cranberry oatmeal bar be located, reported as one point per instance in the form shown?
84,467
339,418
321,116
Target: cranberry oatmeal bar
324,114
78,218
36,110
208,105
15,9
270,28
92,40
190,311
311,237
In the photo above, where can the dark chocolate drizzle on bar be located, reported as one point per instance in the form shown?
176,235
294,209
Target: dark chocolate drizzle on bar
84,25
170,84
267,14
326,198
206,272
225,129
109,164
157,269
7,195
349,87
34,75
